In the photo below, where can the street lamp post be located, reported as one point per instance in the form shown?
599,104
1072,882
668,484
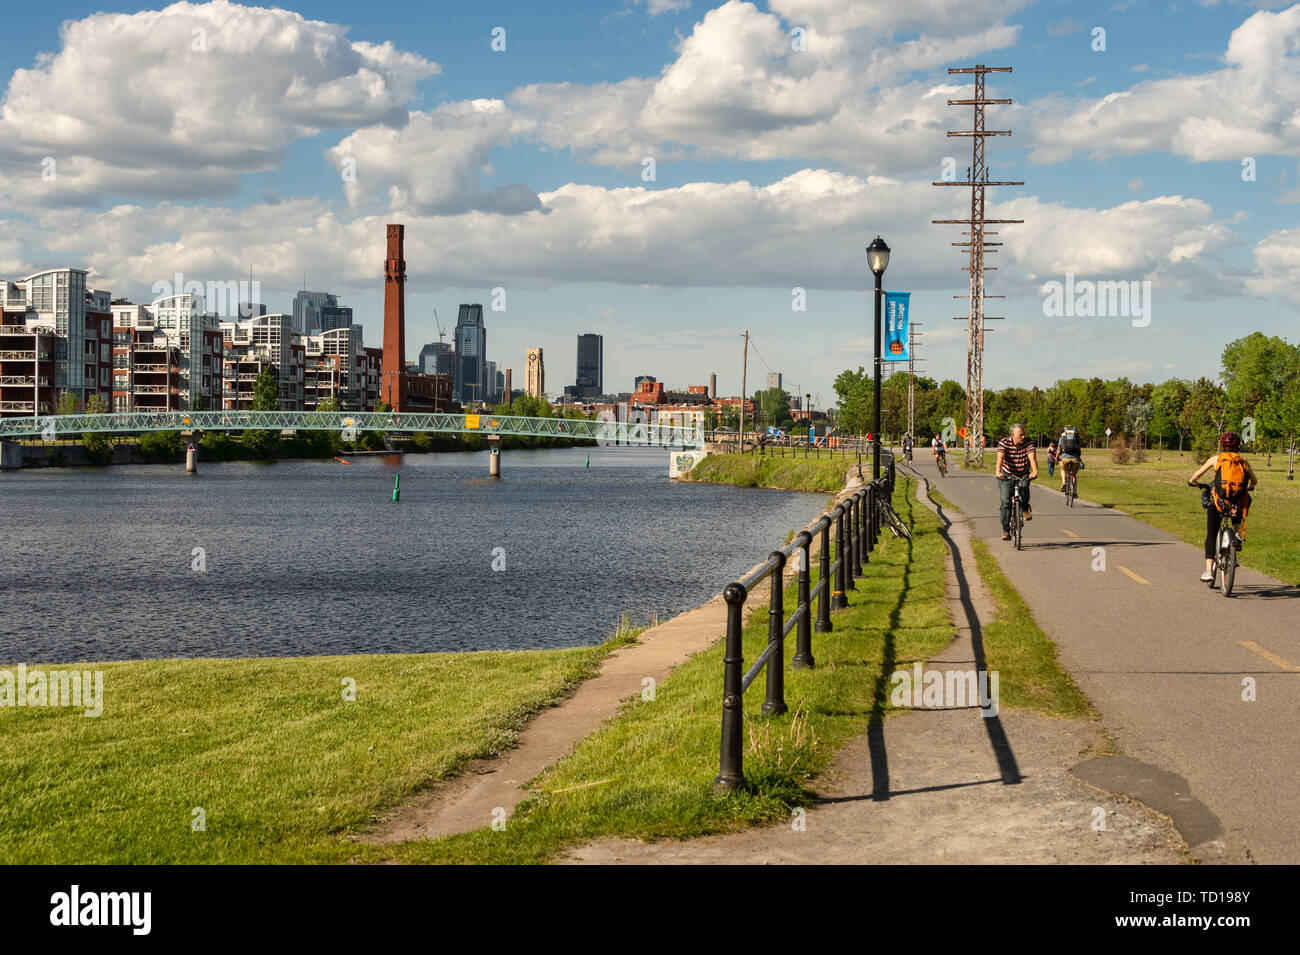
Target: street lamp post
877,261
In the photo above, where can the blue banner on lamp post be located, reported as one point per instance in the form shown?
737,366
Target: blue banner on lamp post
895,345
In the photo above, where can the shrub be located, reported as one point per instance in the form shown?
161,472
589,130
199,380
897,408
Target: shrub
1119,451
162,445
260,444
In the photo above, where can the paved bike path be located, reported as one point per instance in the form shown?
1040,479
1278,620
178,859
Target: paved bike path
1163,657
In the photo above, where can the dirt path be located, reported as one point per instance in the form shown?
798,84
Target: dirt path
474,799
946,786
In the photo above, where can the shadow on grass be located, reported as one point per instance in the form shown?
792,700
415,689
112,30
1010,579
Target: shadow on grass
1006,757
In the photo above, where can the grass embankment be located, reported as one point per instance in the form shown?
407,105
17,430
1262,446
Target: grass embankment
789,474
269,749
1030,674
1156,492
648,773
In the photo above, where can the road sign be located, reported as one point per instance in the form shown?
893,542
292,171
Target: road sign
1108,432
472,421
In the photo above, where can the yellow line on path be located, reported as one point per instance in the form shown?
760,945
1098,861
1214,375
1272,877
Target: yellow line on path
1254,647
1071,533
1140,580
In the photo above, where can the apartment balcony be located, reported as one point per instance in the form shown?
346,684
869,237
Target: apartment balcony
28,380
19,356
18,406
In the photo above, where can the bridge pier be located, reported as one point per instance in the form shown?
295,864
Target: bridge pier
191,459
494,455
11,455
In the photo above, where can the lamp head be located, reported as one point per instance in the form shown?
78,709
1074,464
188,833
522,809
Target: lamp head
878,256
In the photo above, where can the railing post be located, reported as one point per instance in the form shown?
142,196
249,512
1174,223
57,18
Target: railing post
869,538
850,507
824,576
864,530
803,657
731,771
858,556
838,600
774,702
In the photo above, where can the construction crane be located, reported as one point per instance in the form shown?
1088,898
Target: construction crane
441,333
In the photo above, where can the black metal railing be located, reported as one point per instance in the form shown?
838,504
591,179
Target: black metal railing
857,522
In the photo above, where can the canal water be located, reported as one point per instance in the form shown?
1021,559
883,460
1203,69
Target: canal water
313,557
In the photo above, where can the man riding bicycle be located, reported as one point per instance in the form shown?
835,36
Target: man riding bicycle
1069,450
907,447
1233,481
1017,461
939,448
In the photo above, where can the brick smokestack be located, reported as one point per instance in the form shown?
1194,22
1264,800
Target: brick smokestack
391,387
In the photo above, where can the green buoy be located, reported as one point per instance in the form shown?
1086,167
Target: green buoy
589,460
397,478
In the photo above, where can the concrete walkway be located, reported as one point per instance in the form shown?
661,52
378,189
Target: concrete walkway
946,786
1170,663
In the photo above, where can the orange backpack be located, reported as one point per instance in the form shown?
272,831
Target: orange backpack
1230,479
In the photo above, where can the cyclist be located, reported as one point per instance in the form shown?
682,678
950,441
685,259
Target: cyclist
1069,452
1233,481
1016,461
940,449
907,447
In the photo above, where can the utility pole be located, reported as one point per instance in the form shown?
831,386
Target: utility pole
911,379
978,181
744,370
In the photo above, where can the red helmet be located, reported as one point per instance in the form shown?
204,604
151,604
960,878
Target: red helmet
1231,441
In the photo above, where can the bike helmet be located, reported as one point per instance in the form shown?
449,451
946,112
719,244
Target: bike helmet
1231,441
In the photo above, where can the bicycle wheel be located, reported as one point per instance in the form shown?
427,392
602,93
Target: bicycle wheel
1069,489
1017,522
1228,554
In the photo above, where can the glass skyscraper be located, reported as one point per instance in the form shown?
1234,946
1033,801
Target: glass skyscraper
471,355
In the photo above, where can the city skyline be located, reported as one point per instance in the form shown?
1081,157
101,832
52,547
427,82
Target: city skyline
583,174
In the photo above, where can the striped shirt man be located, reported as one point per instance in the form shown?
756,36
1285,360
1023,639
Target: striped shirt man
1016,457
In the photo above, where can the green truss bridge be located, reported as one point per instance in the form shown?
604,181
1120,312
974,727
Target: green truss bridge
49,427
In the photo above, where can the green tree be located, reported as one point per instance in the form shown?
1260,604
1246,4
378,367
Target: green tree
263,443
266,391
68,403
97,445
1137,417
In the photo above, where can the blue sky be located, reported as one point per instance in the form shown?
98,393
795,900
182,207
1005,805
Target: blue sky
774,167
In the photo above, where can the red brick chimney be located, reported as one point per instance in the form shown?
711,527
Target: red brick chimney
391,386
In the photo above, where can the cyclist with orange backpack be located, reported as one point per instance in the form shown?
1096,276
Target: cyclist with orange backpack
1233,482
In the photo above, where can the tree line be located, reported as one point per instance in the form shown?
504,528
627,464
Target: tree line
1257,393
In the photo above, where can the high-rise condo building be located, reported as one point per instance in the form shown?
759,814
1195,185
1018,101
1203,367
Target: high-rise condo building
591,366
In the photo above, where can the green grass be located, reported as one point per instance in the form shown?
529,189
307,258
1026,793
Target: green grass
648,773
282,766
1030,674
1157,492
1029,670
789,473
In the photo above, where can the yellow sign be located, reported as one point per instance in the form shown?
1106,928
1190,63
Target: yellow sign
187,420
471,422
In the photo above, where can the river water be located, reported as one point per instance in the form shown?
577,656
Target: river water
313,557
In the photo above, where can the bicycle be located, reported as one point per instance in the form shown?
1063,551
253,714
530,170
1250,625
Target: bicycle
1018,511
907,454
941,460
1228,542
1071,483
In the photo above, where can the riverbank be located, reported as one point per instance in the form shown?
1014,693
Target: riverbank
168,447
260,760
768,471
